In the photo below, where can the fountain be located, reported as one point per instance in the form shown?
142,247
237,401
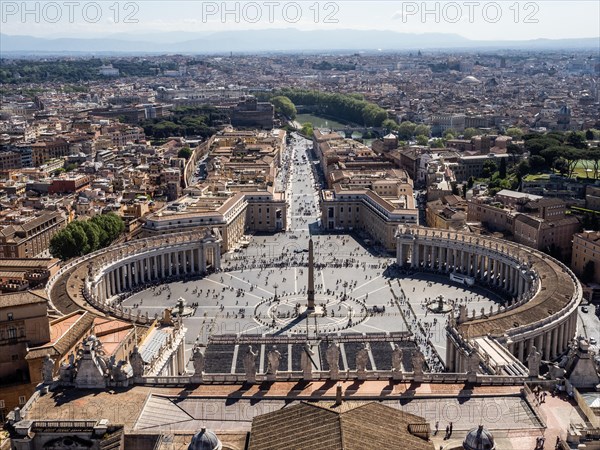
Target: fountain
439,305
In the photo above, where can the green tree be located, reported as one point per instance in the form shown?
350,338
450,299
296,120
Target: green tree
589,135
422,130
464,190
577,139
406,130
449,134
591,221
514,132
283,105
422,139
80,238
572,156
537,163
184,152
92,231
470,182
63,245
522,169
594,156
470,132
112,225
307,129
502,169
373,115
535,146
437,143
389,125
561,165
549,155
489,167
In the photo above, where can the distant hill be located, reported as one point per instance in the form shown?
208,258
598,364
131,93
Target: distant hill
273,40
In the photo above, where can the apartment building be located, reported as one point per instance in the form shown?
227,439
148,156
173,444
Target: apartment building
537,222
30,236
448,212
472,166
43,151
586,253
232,213
375,202
23,324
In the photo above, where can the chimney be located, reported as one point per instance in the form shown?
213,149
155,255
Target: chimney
338,395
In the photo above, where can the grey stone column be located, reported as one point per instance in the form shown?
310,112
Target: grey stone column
483,267
512,275
400,254
203,257
217,256
118,279
122,276
521,350
561,338
138,272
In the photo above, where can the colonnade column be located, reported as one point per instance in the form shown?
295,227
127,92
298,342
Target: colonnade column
118,279
512,277
203,258
521,350
217,262
561,337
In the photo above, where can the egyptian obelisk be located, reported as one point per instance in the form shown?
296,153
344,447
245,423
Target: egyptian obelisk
311,277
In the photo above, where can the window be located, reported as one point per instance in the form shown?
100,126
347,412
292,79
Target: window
9,316
2,406
12,333
22,400
15,357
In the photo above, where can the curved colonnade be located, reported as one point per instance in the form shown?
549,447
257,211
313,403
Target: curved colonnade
543,312
102,276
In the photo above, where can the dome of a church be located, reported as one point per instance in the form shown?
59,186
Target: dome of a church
205,440
479,439
470,80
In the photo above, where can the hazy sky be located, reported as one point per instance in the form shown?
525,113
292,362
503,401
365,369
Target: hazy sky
485,20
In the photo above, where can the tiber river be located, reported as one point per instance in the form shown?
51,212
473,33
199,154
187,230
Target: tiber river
320,122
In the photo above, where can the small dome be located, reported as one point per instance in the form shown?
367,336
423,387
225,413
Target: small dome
470,80
205,440
479,439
